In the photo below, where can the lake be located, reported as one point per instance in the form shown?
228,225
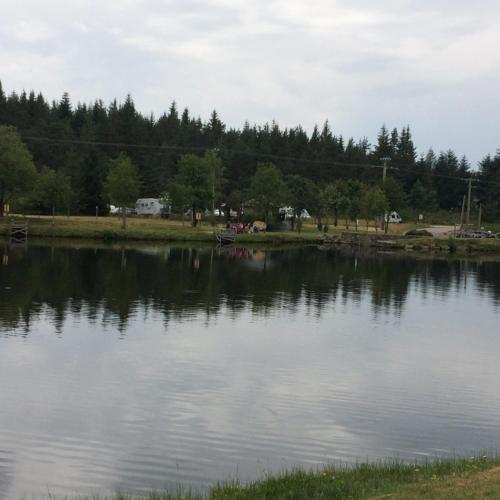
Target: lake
132,369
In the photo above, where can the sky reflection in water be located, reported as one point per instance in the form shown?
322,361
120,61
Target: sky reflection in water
155,367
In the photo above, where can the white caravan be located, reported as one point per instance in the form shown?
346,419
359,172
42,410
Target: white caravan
393,218
151,206
288,213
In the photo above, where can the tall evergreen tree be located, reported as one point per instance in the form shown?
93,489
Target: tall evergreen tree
383,148
450,189
64,107
3,105
489,187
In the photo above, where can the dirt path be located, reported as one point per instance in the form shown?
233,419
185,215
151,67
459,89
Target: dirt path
440,231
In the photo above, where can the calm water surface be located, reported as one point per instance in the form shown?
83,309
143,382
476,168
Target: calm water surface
150,368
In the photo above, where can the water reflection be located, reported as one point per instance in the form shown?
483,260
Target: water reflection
149,368
183,282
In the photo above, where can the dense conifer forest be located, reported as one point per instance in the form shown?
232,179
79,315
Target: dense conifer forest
78,140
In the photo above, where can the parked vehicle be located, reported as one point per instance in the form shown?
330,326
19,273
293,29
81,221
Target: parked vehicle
151,206
393,218
478,234
113,210
287,213
221,212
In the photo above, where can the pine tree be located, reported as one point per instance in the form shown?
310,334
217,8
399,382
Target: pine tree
314,143
215,130
383,148
394,142
3,105
169,125
405,159
64,107
406,152
449,188
489,187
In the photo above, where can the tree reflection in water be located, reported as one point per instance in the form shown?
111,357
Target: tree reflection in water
113,283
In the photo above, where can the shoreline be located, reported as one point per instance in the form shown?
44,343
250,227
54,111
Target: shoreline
107,229
474,477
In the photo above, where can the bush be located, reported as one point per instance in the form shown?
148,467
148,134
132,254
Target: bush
418,232
109,235
452,244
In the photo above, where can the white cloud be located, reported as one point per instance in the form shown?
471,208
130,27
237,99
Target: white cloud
30,31
357,63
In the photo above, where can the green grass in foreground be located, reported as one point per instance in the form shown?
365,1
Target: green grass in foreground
477,477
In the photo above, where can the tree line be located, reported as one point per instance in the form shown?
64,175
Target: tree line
74,146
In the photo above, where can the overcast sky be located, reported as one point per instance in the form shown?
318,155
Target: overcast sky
433,64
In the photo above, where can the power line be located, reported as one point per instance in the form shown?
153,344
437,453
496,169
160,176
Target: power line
198,149
270,156
122,145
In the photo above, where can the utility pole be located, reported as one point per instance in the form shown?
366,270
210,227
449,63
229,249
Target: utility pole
469,196
213,174
385,159
479,216
462,215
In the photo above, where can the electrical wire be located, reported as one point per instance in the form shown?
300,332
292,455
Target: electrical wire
165,147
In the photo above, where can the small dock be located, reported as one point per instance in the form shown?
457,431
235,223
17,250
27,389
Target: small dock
225,236
18,231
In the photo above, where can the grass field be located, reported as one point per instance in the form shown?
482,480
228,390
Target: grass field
473,478
109,228
161,230
168,230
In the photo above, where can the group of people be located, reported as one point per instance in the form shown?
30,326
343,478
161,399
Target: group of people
240,228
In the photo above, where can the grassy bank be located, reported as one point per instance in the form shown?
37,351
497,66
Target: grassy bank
171,231
109,229
473,478
460,246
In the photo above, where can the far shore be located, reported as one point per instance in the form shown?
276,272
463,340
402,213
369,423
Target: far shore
175,231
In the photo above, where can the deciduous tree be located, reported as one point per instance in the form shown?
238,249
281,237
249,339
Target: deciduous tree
373,204
17,171
194,182
268,190
52,190
123,184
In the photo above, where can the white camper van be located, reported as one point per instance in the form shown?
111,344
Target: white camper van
393,218
287,213
151,206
